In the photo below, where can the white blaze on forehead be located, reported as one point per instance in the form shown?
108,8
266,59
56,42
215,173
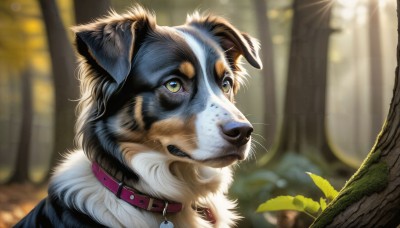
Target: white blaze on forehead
199,51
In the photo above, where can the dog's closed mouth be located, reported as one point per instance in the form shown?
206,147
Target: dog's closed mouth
177,152
231,156
224,160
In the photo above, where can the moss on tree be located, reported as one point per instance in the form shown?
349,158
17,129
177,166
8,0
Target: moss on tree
372,177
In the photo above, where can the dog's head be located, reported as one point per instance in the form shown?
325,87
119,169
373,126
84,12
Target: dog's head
168,89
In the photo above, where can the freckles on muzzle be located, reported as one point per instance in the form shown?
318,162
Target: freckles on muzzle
228,124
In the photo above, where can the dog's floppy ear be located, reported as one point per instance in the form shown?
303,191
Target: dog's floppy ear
232,41
109,42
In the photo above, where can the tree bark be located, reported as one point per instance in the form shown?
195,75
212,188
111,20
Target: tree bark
88,10
21,167
371,198
375,66
268,72
65,82
303,128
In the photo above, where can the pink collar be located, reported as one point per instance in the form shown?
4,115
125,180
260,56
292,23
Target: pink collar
131,196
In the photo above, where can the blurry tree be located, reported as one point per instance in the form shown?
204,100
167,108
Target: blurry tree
65,82
21,168
88,10
371,198
356,89
375,67
303,128
15,53
270,112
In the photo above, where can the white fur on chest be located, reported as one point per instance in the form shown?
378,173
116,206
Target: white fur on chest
83,192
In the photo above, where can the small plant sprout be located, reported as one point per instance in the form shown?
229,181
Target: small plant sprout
302,203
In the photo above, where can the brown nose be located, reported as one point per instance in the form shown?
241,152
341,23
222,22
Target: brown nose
237,133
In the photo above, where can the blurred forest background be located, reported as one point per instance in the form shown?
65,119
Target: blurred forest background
317,105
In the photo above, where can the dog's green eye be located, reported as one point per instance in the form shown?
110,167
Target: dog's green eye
226,85
173,85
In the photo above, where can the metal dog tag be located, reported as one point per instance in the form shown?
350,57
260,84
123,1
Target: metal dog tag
166,224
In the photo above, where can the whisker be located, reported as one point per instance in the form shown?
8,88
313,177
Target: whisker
259,144
259,136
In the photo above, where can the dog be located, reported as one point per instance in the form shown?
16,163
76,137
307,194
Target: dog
157,128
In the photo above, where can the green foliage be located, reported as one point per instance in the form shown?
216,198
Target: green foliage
306,204
253,185
322,202
329,192
297,203
301,203
277,204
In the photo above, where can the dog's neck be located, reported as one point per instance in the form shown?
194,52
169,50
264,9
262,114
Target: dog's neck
132,196
136,199
161,177
188,184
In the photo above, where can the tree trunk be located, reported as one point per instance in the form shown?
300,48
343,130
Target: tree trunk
375,64
21,167
88,10
356,91
64,79
270,111
303,129
371,198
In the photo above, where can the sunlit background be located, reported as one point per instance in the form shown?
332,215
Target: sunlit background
363,39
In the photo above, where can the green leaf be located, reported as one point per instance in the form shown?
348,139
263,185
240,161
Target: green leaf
297,203
324,185
278,204
306,204
322,202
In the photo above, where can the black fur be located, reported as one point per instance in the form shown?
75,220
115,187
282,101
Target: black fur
53,212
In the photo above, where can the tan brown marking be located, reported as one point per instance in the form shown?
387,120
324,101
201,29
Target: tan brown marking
220,68
175,131
138,111
187,69
130,149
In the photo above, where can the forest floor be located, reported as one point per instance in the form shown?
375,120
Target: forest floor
17,200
